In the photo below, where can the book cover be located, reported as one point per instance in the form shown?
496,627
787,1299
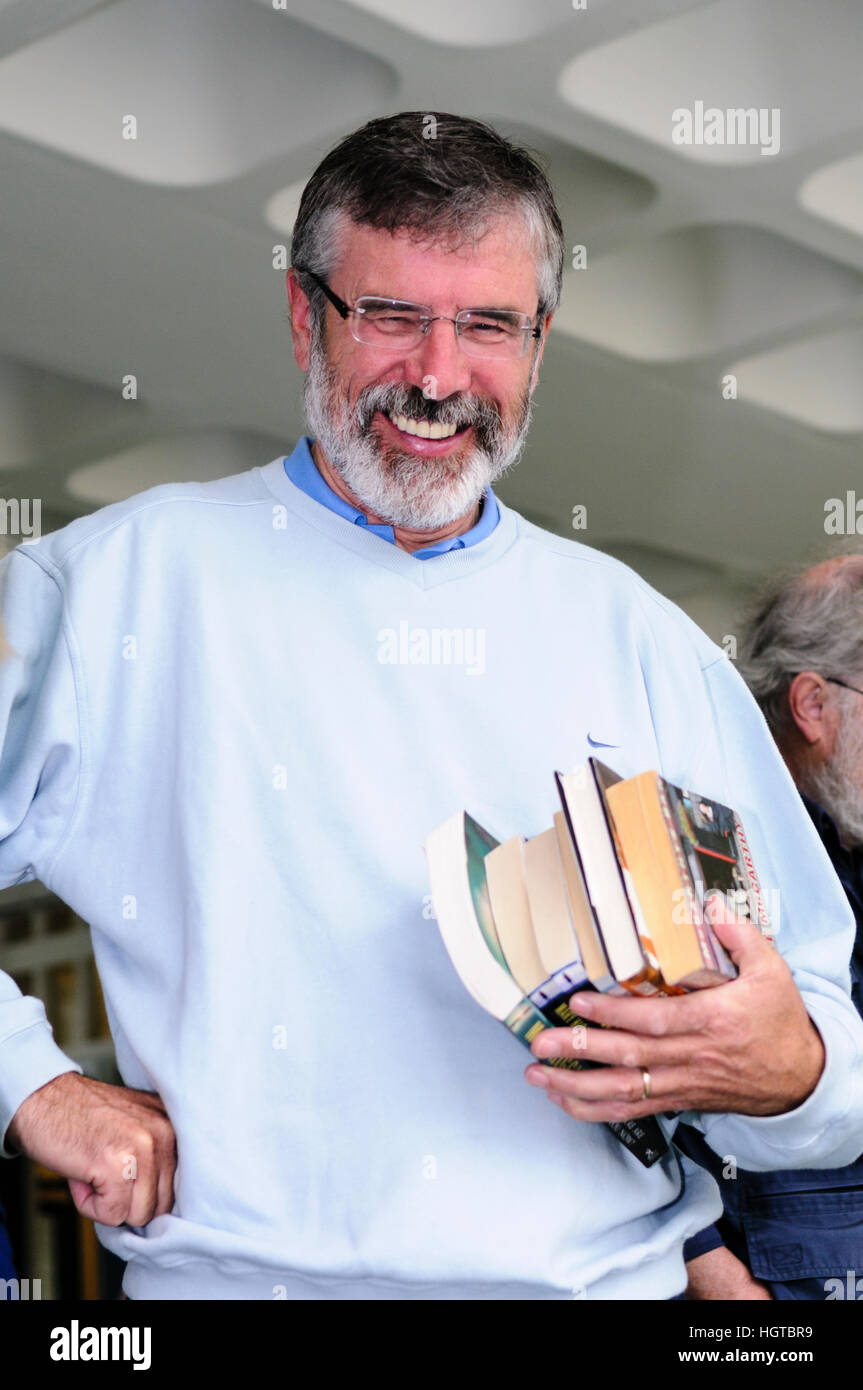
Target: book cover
591,949
682,845
660,866
717,854
593,842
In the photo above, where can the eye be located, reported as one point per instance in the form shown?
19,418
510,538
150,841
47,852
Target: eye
391,321
490,329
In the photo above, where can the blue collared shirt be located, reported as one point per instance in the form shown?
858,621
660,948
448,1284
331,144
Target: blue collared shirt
302,470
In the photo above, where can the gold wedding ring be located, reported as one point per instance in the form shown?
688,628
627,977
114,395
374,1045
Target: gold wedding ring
645,1076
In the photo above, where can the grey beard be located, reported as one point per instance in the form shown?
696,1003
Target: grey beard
420,494
837,784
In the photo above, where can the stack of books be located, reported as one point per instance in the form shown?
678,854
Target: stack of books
611,898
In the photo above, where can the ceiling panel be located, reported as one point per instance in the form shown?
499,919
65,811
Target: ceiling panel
159,91
836,193
696,291
194,456
818,382
37,408
23,21
766,56
472,23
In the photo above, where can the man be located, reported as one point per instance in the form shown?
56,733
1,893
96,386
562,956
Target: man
239,709
801,1232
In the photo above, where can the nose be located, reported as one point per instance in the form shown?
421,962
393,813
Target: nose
437,365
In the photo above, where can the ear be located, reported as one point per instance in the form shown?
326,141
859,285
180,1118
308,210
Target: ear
299,302
534,376
807,700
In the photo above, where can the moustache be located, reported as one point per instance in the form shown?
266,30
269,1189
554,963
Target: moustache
400,399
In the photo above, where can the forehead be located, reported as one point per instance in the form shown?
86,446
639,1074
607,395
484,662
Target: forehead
496,269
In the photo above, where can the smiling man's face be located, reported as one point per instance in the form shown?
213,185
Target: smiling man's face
364,402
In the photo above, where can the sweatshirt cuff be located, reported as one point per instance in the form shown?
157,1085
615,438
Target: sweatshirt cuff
702,1243
822,1132
29,1059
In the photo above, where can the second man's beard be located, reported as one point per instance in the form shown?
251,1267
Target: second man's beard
404,489
837,785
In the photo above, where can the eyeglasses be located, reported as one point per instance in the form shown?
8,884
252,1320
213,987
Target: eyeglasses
397,325
834,680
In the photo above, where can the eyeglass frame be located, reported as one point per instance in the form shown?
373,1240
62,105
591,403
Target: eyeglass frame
833,680
344,310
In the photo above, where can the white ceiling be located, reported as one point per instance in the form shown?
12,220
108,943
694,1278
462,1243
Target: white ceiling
153,255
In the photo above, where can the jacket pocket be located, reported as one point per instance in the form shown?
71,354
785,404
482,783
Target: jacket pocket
794,1235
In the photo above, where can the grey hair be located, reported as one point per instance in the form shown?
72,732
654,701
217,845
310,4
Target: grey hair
316,248
812,621
390,175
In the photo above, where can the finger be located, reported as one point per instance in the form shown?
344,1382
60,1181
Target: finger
102,1202
165,1190
82,1194
167,1164
142,1207
614,1046
741,938
656,1017
139,1178
616,1085
607,1112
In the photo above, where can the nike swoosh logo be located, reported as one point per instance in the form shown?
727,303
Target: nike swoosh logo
601,742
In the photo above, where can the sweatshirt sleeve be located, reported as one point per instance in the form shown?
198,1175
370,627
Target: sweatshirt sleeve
735,753
40,761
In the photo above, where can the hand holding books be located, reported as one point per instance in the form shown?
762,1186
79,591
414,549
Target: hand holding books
748,1048
611,903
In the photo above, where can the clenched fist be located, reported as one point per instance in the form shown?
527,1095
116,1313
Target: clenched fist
116,1146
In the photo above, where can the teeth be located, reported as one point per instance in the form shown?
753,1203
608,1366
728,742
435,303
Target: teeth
422,428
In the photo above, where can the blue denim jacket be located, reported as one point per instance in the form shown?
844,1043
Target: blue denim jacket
800,1232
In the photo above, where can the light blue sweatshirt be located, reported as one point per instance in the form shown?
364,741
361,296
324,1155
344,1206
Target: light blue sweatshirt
232,719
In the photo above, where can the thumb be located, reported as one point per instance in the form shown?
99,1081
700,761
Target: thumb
83,1195
740,937
95,1205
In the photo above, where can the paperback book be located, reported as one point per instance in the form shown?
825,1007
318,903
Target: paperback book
610,898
